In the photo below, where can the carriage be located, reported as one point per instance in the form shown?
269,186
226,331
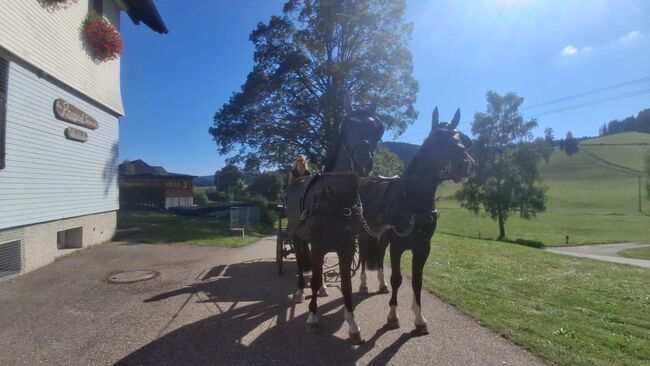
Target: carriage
284,246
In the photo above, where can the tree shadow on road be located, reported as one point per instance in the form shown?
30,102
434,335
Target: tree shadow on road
256,323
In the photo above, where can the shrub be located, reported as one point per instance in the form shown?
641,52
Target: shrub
267,210
134,195
218,196
200,198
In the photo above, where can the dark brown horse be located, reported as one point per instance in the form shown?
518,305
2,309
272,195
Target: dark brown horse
320,210
400,211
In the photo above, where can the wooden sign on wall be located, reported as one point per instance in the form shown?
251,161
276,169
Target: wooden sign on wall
75,135
65,111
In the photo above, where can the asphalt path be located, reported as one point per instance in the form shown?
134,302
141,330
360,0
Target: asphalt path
216,306
604,252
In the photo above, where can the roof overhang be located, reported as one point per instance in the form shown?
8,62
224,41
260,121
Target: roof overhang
145,11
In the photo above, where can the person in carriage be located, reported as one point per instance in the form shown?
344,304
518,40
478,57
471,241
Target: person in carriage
300,169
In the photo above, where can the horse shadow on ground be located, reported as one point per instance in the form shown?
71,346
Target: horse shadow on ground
256,323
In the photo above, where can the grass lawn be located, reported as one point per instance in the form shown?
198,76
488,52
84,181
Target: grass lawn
166,228
638,253
566,310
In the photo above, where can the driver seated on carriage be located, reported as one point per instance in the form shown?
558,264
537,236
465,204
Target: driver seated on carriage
300,169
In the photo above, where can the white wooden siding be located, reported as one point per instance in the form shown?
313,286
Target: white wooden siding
52,41
48,177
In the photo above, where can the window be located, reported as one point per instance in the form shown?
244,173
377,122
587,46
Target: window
97,6
71,238
4,80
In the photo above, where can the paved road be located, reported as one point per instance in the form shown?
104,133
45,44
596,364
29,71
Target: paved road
216,306
604,252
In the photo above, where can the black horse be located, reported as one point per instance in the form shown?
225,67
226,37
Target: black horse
320,209
400,211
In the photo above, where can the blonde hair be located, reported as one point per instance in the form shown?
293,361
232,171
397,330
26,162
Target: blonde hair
303,158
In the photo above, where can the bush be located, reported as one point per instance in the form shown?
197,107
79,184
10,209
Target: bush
200,198
218,196
134,196
268,215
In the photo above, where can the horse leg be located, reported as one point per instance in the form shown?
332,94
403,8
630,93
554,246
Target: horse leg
420,256
395,282
299,295
322,291
345,262
317,258
363,256
383,286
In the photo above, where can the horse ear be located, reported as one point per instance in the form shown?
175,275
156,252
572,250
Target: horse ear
434,120
454,122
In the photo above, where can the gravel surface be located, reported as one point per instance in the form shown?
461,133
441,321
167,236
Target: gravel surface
216,306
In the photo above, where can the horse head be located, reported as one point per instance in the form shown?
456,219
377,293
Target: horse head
361,130
445,150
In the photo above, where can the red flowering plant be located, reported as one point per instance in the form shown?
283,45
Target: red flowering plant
103,39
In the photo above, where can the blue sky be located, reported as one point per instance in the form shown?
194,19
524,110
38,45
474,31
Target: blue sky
543,50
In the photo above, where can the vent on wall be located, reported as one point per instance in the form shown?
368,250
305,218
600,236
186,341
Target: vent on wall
71,238
10,258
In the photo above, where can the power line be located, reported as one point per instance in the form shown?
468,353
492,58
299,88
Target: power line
593,102
579,95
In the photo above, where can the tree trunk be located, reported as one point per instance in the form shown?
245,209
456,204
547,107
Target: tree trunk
502,227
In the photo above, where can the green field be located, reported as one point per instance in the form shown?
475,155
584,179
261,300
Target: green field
638,253
164,228
566,310
589,198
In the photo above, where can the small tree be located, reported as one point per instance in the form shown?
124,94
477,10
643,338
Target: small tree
386,163
229,179
507,178
266,184
570,144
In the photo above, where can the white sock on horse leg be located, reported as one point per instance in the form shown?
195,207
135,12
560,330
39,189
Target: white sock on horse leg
363,279
380,277
349,318
419,319
312,318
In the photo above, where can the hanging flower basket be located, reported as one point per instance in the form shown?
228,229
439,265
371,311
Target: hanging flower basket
103,39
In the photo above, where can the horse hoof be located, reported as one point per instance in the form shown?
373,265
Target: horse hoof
313,327
322,292
392,323
297,299
355,339
363,289
421,329
384,290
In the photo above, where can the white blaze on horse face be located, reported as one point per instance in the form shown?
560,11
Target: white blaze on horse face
349,318
419,319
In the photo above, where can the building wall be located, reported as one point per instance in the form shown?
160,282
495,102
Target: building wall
39,242
48,177
52,41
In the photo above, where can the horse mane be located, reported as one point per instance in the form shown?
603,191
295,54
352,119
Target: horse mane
419,157
331,155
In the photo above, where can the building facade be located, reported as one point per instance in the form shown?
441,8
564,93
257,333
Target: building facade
59,129
175,190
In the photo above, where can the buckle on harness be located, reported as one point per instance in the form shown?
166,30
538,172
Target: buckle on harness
347,212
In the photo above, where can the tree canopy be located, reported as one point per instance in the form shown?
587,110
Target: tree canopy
507,178
308,62
386,163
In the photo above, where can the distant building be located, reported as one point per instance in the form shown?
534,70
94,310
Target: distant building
59,122
176,188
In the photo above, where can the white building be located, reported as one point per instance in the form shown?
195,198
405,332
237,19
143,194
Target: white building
59,124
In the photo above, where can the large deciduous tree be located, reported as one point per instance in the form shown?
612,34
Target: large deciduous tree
308,63
507,178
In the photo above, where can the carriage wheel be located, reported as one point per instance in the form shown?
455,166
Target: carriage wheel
279,247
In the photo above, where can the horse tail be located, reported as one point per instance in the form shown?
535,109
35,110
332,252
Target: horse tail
371,252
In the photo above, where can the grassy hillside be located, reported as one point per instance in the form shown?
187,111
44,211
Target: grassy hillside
590,199
623,149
